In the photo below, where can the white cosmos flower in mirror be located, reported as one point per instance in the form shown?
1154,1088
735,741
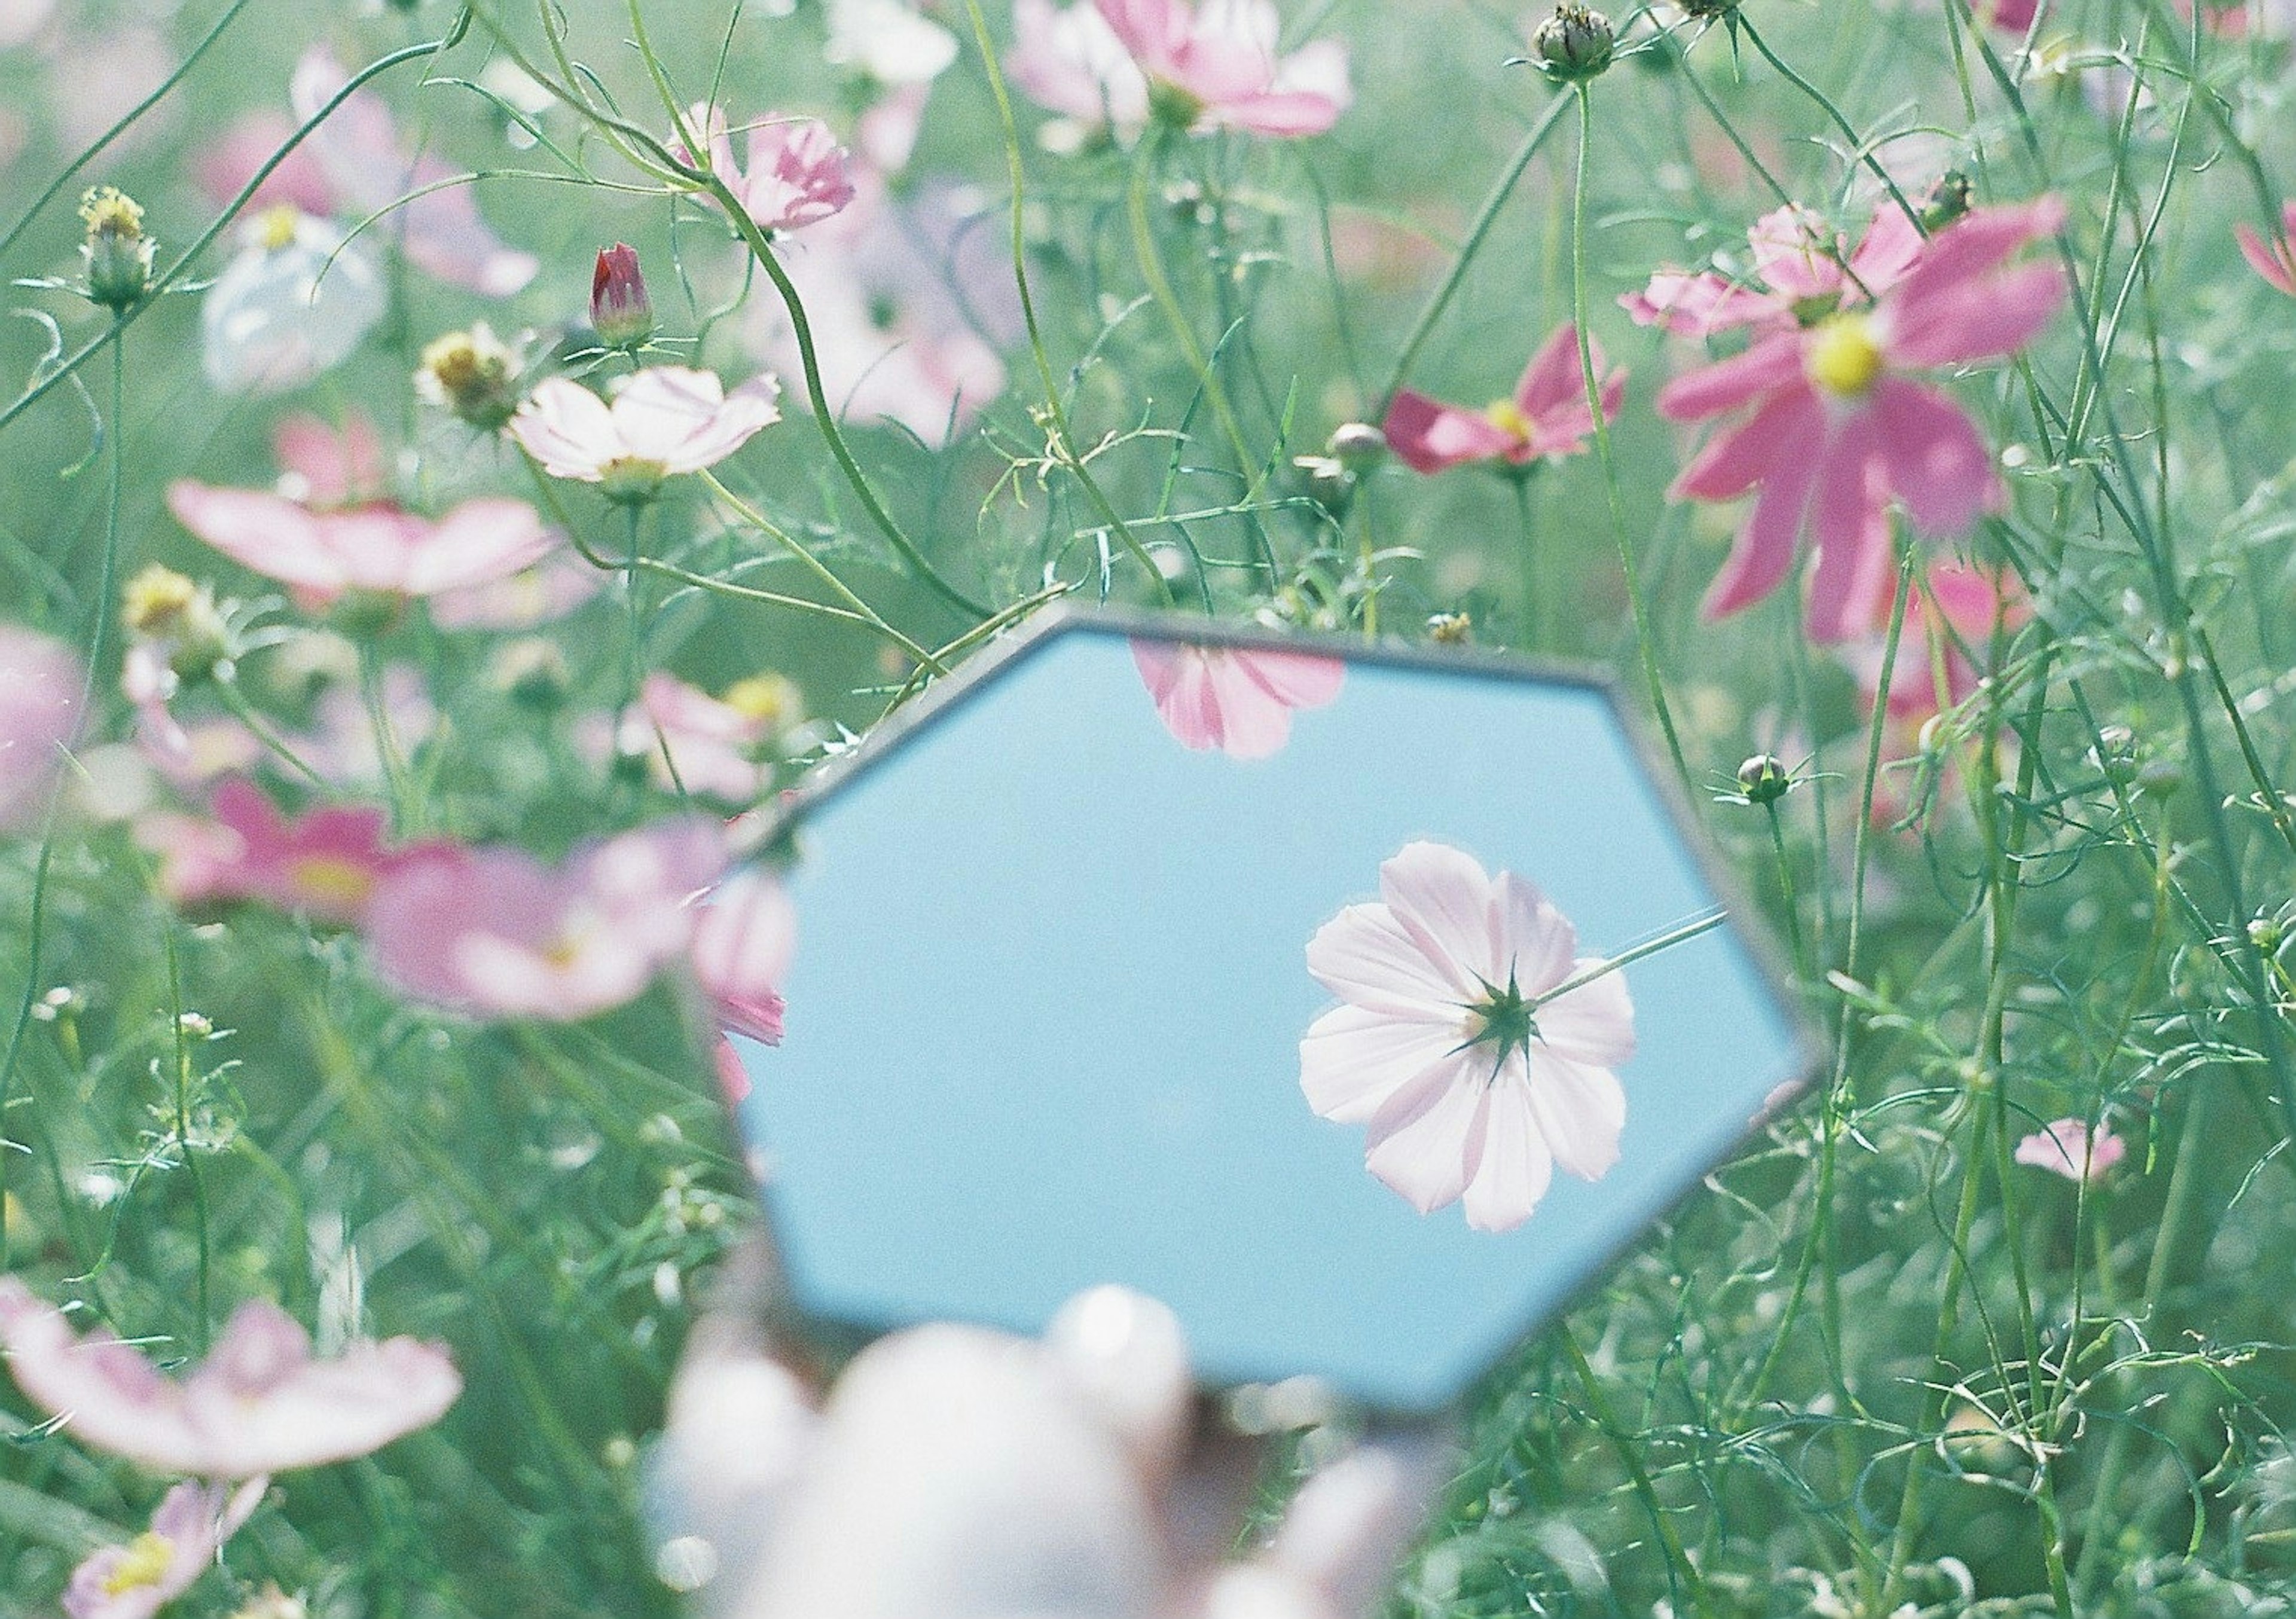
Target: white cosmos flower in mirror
293,304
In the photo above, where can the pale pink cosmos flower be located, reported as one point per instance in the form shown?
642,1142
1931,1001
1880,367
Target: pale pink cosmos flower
796,174
2066,1147
2274,260
1214,67
690,740
1238,701
325,863
259,1403
744,939
225,164
1071,61
40,682
189,1527
663,422
1546,418
1833,429
496,933
323,465
1803,271
1471,1083
369,169
380,549
548,591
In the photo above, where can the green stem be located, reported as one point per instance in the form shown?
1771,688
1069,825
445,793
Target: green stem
1681,1573
1601,970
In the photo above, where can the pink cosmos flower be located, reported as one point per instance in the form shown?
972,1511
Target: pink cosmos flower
664,421
797,174
1955,606
188,1529
496,933
377,548
1238,701
40,683
1473,1083
692,739
1833,429
744,937
369,169
1072,62
1802,272
2274,260
1546,418
229,161
1217,67
259,1403
325,863
2067,1148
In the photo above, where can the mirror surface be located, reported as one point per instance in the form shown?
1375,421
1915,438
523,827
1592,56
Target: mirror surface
1051,981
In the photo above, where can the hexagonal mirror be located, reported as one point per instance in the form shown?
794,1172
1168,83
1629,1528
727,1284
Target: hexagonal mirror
1360,1004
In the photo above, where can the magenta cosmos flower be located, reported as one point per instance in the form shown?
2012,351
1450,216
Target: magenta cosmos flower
40,681
1833,428
664,421
325,863
188,1528
496,933
380,549
259,1403
2274,260
2067,1148
1215,67
1473,1083
796,174
1238,701
1547,416
743,938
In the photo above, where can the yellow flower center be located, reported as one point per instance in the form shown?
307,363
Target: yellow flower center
274,228
149,1557
460,365
107,211
1507,416
157,600
765,698
1844,357
332,879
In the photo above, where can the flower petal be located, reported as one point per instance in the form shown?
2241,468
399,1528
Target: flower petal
1516,1167
1428,436
1738,458
259,530
1426,1142
1352,1061
1581,1111
1772,362
1763,552
1594,1024
1363,956
1850,524
1978,320
478,541
1936,463
1439,896
1539,938
567,429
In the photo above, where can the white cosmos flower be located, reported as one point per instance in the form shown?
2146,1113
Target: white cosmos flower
294,303
1469,1085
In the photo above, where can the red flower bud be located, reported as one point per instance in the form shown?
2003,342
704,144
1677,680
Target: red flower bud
620,311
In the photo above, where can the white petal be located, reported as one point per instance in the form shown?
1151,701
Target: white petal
1540,941
1426,1141
1581,1111
1594,1024
1443,899
1352,1061
1516,1165
1363,956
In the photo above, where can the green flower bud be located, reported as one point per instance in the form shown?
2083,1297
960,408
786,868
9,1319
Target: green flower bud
1574,43
1764,778
117,252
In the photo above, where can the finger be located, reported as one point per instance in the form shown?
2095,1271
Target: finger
1352,1519
1124,1354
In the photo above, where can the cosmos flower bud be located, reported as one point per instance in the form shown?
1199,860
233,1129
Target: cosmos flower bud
1357,446
117,252
1764,778
620,311
1572,44
1451,629
167,610
471,374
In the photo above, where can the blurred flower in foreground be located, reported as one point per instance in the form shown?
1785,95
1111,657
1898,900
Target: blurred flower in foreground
744,939
259,1403
895,54
379,549
2274,260
188,1529
359,149
1546,418
1239,701
323,465
1802,272
663,422
1833,430
40,683
1209,68
496,933
325,863
293,304
551,589
2067,1148
796,176
1472,1084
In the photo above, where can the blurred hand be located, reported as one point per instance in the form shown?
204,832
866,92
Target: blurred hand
956,1473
